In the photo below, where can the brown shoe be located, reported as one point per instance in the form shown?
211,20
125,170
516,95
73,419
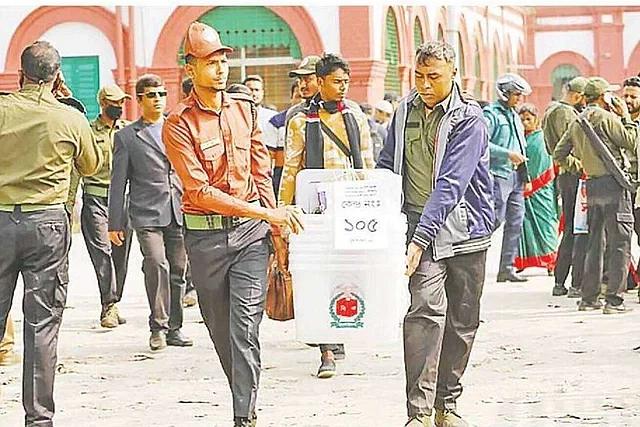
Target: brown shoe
449,419
589,306
121,320
9,358
190,299
419,421
109,318
157,341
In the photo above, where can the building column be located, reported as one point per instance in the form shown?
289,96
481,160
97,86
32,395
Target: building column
9,81
608,39
367,80
356,46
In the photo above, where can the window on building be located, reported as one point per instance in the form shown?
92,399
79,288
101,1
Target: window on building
263,44
417,34
478,71
392,54
440,33
560,76
82,76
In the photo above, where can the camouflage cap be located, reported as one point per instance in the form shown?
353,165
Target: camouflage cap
577,84
598,86
306,67
112,93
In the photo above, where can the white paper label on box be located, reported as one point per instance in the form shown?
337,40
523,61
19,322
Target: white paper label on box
361,222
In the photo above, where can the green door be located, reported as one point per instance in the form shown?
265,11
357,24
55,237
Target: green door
560,76
82,76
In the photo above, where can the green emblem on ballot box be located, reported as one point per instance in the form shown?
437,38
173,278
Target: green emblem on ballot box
347,309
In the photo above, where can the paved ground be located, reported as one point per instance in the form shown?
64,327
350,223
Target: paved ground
537,362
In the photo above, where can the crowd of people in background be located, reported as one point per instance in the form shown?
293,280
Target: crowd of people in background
223,161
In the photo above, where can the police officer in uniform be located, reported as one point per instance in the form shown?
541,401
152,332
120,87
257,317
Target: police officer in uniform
214,144
109,261
610,207
572,249
41,140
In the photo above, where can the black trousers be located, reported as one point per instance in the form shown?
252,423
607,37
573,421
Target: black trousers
164,262
573,247
36,244
610,211
229,269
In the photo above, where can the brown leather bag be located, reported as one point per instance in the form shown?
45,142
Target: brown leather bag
279,305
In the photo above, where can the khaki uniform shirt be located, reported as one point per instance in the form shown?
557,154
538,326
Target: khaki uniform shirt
420,147
41,140
574,149
334,158
555,122
104,137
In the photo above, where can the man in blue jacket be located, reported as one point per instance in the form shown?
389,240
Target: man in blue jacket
508,167
437,141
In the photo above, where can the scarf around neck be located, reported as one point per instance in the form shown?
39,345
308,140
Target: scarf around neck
314,140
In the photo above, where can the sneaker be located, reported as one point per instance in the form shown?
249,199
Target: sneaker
510,276
449,419
121,320
615,309
419,421
9,358
574,293
589,306
327,367
190,299
109,318
157,341
559,291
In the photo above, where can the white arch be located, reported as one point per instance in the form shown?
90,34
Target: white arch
80,39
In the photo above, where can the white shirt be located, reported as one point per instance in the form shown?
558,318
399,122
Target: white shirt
269,131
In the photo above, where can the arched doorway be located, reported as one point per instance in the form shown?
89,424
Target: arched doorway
166,56
560,76
263,44
392,81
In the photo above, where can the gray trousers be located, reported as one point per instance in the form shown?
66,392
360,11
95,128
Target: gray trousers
229,270
36,244
610,211
573,247
109,261
163,265
508,196
440,327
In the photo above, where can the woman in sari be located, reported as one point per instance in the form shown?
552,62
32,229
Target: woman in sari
539,238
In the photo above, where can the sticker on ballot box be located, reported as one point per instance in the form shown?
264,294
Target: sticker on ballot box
360,220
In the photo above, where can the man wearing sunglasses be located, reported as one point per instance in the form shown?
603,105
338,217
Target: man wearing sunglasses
140,160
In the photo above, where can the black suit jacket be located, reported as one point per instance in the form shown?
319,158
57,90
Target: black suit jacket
140,160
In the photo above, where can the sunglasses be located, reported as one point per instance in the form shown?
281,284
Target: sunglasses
151,95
